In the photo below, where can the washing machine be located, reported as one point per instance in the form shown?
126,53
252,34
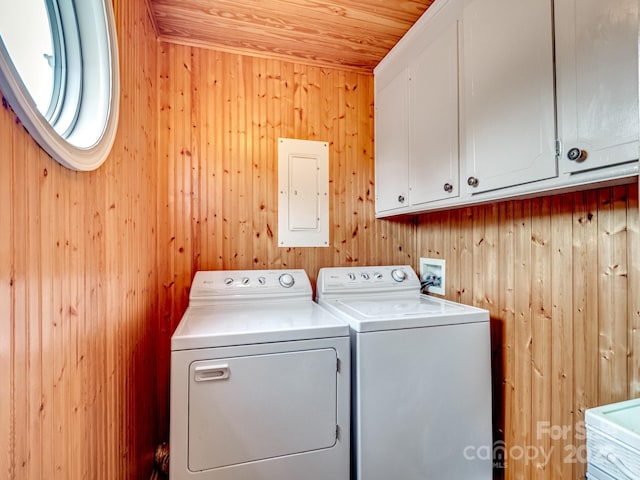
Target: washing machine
421,376
260,381
613,441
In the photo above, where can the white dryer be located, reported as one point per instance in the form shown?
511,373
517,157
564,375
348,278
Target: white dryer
259,381
421,377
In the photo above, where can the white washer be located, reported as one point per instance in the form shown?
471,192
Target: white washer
259,381
421,377
613,441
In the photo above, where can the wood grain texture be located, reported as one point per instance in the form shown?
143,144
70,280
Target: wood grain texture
95,268
220,117
345,34
536,265
79,290
559,275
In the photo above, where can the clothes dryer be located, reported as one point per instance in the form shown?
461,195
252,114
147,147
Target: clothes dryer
259,381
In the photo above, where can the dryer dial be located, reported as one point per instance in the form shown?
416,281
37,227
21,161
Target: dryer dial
287,280
398,275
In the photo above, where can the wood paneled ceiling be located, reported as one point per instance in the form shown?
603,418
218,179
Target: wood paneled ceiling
349,34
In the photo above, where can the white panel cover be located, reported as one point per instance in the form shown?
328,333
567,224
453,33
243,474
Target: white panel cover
244,409
303,193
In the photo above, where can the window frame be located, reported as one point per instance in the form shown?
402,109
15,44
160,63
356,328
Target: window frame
90,110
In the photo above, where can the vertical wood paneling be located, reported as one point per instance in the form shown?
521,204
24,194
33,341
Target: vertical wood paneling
505,415
612,295
79,291
585,310
218,204
541,341
523,398
564,273
85,309
633,245
562,345
7,459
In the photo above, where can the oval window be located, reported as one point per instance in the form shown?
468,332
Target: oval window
59,72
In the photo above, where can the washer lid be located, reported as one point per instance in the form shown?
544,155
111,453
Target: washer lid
391,312
619,420
206,326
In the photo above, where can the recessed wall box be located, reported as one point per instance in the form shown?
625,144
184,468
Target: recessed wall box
303,193
432,275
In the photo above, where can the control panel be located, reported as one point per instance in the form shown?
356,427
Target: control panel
340,281
216,286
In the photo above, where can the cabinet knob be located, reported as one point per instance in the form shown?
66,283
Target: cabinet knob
473,181
448,187
576,155
401,198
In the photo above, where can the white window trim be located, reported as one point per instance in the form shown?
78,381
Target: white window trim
101,75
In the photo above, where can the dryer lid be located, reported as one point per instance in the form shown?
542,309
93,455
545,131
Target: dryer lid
206,326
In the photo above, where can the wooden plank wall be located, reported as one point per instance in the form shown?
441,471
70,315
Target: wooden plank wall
220,117
93,282
78,291
560,276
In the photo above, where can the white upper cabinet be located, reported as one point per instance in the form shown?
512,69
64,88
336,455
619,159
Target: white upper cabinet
597,82
416,115
508,118
485,100
433,127
392,143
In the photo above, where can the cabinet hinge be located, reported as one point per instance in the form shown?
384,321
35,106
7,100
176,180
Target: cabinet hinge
337,432
558,147
338,365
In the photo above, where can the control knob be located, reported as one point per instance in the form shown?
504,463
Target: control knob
398,275
287,280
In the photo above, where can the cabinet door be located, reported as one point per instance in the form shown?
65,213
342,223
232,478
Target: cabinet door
433,137
597,81
392,143
508,117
